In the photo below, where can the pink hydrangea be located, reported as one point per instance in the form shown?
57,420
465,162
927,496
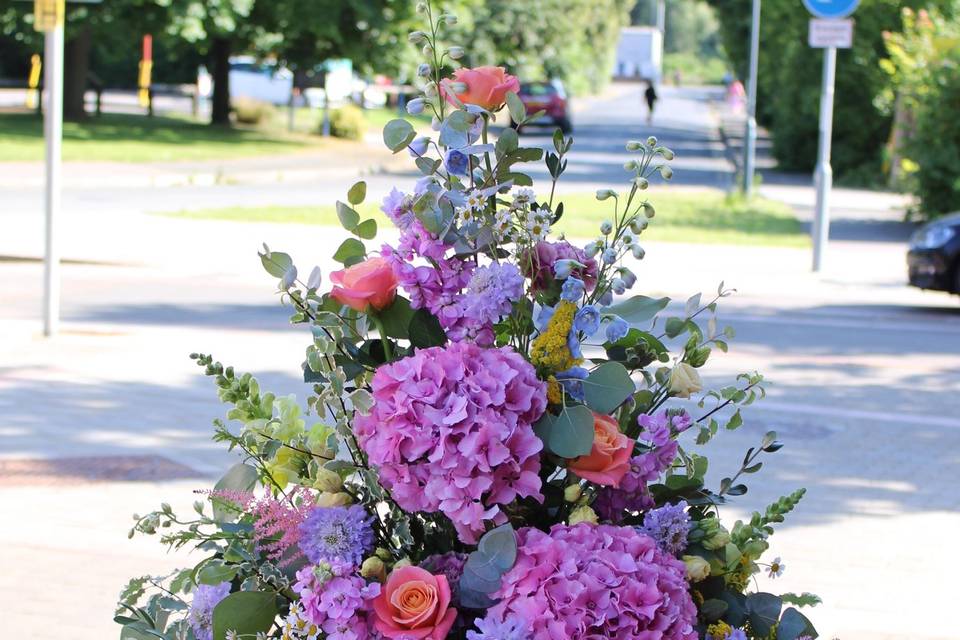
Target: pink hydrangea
451,431
595,581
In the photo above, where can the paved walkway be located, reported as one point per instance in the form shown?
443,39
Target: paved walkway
865,393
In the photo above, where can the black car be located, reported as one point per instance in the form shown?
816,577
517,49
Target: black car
934,257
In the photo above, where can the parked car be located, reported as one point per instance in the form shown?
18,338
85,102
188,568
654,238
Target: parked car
260,81
934,258
550,97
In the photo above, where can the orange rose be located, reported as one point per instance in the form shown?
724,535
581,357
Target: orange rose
414,604
371,283
609,459
487,87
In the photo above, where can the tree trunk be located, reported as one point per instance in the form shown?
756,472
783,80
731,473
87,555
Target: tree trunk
220,61
76,55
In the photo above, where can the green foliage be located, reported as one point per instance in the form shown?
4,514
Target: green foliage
495,555
790,74
693,68
249,111
348,122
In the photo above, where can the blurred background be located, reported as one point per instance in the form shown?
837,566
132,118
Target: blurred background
196,130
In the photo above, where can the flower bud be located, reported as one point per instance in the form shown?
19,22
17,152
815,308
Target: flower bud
641,182
449,19
648,210
415,107
697,568
373,568
383,554
631,165
684,381
572,493
427,50
327,499
667,154
563,268
629,277
638,226
403,562
606,227
421,7
327,481
424,70
666,172
652,141
717,541
455,53
634,145
619,286
430,90
610,256
416,37
627,239
583,514
605,194
638,252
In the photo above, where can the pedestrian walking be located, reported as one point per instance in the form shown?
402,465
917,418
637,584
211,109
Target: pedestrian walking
650,95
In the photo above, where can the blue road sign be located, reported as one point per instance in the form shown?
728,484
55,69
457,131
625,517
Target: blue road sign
831,8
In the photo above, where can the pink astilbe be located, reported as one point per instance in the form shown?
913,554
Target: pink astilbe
276,524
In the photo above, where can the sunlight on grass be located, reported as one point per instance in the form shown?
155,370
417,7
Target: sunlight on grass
134,138
702,217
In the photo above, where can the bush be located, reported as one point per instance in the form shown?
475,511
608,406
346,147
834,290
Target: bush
250,111
348,122
935,143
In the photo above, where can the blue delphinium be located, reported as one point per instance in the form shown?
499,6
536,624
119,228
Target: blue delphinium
336,535
457,162
572,290
617,329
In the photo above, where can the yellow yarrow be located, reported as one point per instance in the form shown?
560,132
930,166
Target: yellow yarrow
719,629
554,391
550,350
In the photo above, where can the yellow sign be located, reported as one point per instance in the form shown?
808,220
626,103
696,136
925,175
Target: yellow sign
48,14
146,67
33,81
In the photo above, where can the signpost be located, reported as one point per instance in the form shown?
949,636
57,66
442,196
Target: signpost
750,146
829,33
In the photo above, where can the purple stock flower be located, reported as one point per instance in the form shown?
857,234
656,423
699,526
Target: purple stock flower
336,535
668,525
398,207
205,598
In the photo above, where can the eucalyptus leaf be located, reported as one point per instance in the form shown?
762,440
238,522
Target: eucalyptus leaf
246,612
347,216
569,434
398,134
215,572
357,193
366,229
507,142
496,554
518,112
638,309
794,624
607,387
276,263
350,248
763,611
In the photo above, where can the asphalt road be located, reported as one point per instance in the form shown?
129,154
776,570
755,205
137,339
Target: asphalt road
865,373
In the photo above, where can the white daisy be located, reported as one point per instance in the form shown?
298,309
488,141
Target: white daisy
775,570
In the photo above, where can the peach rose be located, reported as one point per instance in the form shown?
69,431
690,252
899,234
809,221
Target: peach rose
487,87
609,459
414,604
371,283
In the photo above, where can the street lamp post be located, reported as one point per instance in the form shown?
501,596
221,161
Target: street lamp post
53,133
750,143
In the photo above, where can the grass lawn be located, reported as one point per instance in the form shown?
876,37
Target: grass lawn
135,138
707,217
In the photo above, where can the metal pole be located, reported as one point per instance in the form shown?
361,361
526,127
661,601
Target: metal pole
53,132
750,143
662,16
823,178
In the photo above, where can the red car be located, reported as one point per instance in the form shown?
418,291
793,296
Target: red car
549,97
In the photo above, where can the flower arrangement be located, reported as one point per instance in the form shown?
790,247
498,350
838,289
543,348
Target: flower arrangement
502,447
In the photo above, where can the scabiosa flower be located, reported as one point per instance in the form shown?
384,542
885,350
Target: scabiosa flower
512,627
490,295
451,431
205,598
668,525
336,534
337,601
594,581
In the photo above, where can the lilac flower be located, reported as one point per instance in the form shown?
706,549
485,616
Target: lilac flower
617,329
336,534
457,162
572,290
512,627
668,525
587,320
205,598
340,604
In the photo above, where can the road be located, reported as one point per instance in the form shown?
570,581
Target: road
864,372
